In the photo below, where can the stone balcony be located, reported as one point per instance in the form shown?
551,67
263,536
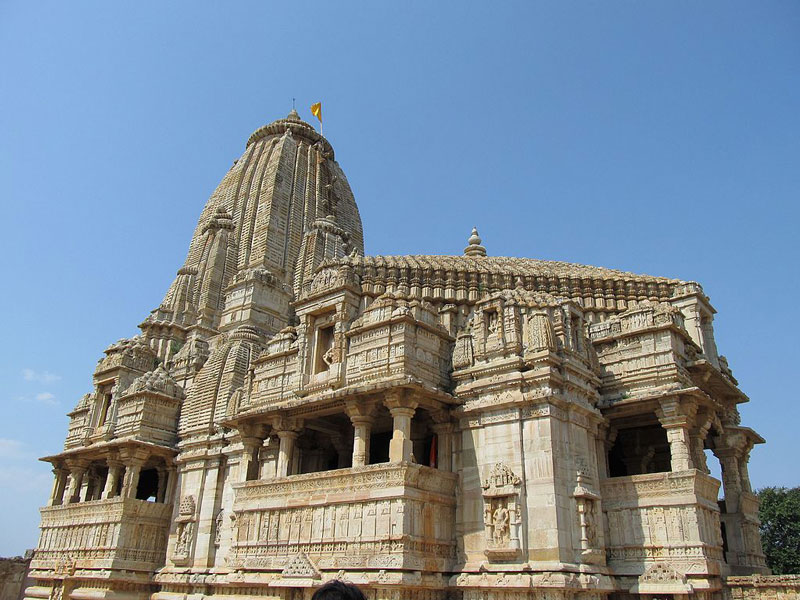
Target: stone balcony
382,516
116,533
660,517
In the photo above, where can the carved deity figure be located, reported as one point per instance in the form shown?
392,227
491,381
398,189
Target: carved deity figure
492,322
500,532
184,536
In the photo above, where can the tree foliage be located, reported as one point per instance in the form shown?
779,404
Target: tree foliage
780,528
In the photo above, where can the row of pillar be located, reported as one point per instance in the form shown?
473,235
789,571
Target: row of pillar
686,432
130,470
402,408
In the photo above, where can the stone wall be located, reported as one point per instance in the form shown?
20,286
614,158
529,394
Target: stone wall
14,577
766,587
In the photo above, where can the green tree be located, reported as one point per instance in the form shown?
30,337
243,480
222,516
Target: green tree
780,528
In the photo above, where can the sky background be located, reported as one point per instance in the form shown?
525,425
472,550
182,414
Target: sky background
654,137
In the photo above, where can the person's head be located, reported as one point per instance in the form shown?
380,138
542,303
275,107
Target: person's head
338,590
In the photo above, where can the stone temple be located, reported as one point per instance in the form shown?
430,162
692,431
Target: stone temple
427,427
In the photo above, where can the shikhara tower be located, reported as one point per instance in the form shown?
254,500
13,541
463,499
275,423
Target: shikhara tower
424,426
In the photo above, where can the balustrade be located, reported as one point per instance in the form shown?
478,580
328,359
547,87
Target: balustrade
110,533
663,516
377,516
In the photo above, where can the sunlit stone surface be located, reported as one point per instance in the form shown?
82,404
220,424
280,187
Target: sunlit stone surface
424,426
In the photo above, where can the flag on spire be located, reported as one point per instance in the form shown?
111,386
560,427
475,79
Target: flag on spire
316,110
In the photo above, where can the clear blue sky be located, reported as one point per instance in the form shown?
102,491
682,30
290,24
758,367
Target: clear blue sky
655,137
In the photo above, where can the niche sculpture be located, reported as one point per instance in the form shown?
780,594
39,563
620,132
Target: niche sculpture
501,513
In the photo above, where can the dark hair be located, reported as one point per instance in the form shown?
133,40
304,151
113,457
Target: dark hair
338,590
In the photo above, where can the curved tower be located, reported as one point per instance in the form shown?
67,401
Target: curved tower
283,207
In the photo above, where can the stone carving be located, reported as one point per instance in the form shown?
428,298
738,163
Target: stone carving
295,381
661,578
540,334
462,353
299,566
184,530
501,512
218,525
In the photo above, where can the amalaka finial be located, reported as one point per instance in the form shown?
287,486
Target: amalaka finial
474,248
293,116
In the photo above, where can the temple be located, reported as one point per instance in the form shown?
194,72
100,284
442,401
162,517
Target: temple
426,427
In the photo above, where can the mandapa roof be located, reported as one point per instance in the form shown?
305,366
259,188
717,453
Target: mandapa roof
465,279
500,265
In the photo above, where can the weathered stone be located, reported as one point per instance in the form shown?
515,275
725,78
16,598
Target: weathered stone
295,412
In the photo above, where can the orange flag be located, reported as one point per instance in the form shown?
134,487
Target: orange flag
316,110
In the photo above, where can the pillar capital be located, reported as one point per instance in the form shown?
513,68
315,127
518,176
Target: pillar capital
440,417
676,412
400,400
283,425
288,434
77,465
361,411
250,443
134,457
255,430
114,463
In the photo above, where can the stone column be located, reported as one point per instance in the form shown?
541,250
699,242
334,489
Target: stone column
133,469
162,484
731,477
285,451
402,410
362,428
744,473
361,416
172,478
76,481
675,417
250,447
112,478
343,449
698,436
443,429
59,484
288,430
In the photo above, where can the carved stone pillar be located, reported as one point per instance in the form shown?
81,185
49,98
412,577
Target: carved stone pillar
731,477
162,484
76,473
248,464
59,485
443,429
287,438
698,436
676,417
361,416
133,469
402,410
172,478
744,473
112,478
343,450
